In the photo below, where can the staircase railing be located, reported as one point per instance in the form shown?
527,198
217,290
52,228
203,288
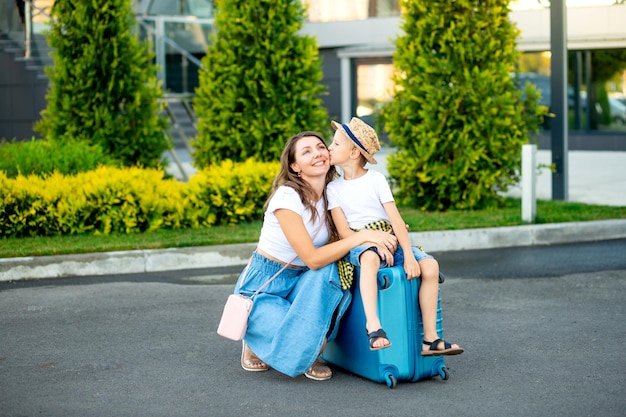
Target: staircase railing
185,100
30,10
22,19
191,31
155,29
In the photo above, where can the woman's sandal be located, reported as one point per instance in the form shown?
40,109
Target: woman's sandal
378,334
254,364
447,351
319,372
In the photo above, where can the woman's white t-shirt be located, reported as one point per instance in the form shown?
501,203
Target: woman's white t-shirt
273,240
361,199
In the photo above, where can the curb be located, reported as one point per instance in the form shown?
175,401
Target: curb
146,261
527,235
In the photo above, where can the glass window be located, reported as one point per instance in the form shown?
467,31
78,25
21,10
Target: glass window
606,83
334,11
198,8
604,87
373,86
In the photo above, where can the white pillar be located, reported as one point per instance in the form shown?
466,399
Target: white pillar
529,183
159,47
346,93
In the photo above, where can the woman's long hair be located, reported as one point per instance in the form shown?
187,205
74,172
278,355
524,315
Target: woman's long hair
287,176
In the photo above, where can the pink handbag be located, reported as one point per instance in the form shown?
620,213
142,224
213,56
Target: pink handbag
234,321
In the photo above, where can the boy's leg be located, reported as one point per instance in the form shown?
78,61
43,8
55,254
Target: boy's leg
368,285
428,297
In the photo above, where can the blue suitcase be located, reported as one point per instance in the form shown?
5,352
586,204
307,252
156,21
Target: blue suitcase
401,318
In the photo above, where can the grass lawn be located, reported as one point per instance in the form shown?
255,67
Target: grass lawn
548,211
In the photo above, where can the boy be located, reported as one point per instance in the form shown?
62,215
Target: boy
362,198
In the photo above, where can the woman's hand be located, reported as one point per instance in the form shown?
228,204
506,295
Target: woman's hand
381,239
387,246
385,255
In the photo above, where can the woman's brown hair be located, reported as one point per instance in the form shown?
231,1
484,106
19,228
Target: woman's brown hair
287,176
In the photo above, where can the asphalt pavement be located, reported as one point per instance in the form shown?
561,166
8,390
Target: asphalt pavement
542,328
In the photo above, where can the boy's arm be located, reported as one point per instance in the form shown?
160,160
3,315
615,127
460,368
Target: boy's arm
399,227
341,223
411,266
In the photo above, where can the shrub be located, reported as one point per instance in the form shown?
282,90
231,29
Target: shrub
104,88
457,118
131,200
230,193
260,83
43,157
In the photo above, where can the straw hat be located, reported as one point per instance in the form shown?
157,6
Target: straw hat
363,136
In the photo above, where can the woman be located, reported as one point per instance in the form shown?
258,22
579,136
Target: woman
292,316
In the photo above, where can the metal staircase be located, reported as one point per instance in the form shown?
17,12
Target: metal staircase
24,53
38,59
21,32
176,63
179,110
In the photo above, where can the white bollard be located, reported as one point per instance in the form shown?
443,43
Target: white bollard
529,183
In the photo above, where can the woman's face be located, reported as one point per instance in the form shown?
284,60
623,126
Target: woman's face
312,158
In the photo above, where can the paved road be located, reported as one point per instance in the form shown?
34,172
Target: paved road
542,334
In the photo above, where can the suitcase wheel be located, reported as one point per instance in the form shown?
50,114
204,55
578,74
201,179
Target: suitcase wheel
391,380
443,373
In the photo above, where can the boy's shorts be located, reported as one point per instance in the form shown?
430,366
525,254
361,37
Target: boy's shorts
398,257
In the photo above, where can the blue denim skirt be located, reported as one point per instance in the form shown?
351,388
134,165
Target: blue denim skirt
291,316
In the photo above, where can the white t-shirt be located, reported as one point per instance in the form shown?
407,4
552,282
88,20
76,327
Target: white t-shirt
273,240
361,199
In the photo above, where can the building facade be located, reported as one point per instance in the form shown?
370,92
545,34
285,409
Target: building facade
356,45
355,39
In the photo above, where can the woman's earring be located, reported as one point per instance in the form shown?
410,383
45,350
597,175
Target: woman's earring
299,174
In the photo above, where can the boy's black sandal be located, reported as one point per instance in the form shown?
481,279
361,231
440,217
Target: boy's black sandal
380,333
448,349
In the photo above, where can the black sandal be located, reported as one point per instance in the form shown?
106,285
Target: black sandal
447,351
380,333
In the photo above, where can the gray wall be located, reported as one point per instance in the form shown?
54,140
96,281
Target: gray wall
22,97
331,67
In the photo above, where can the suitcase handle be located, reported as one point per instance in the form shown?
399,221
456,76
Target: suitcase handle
383,281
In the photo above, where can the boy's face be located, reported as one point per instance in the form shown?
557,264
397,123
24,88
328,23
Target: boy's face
341,148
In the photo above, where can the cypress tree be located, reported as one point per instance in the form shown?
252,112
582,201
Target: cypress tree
260,83
104,88
458,118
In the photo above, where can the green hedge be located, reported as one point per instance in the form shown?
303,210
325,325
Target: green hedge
131,200
43,157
